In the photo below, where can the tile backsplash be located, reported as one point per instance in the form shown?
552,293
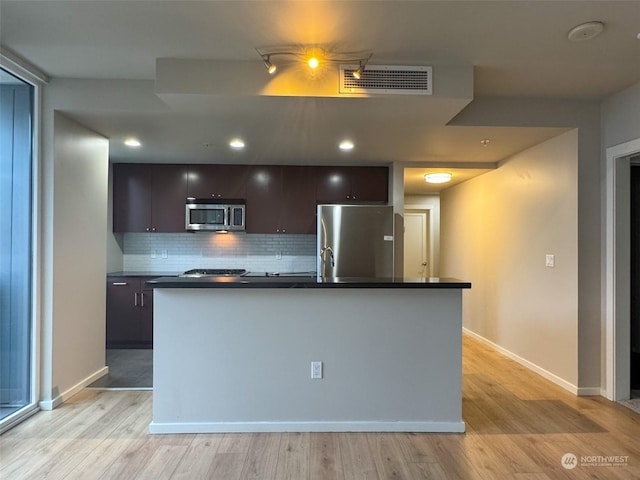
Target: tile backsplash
184,251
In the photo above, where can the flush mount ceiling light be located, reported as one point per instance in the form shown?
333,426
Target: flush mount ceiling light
485,142
437,177
313,57
132,142
585,31
236,144
346,145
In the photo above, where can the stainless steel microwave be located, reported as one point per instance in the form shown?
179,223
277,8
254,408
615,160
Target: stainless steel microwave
203,214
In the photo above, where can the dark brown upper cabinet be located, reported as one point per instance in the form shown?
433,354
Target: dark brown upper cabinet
281,199
352,184
149,197
217,181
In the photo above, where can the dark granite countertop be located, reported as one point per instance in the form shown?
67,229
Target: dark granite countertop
283,281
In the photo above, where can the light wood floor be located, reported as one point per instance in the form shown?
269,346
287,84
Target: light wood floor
518,427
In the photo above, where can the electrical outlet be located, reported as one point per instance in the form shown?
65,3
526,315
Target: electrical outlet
316,370
165,254
278,255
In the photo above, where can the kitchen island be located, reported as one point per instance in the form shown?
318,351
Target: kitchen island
234,354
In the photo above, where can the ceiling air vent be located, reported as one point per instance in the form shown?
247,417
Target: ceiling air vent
387,79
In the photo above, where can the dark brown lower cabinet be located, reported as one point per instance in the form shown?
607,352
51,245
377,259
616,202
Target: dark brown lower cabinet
129,313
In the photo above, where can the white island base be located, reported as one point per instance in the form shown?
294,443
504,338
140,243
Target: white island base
239,360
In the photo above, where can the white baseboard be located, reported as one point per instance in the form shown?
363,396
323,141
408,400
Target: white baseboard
247,427
61,398
583,391
590,392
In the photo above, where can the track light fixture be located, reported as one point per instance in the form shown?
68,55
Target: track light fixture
357,74
271,68
314,57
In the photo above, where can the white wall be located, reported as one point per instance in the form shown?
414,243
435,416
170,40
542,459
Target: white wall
75,167
621,117
495,232
585,117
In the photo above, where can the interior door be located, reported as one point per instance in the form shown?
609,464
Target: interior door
416,262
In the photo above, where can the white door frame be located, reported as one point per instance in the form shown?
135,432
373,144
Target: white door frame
617,271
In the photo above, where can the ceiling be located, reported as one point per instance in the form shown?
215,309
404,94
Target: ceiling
188,112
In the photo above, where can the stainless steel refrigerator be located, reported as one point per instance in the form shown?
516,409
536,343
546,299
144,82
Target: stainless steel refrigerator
355,241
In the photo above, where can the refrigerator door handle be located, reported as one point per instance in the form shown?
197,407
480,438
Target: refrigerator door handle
330,250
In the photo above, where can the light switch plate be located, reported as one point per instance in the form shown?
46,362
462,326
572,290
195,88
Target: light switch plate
550,260
316,370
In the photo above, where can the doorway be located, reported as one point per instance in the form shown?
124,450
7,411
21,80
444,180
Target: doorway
635,279
417,263
618,270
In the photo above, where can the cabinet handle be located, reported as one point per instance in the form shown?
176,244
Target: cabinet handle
153,229
118,284
142,299
348,196
148,229
135,299
284,231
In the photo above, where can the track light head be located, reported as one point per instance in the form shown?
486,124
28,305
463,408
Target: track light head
271,68
357,74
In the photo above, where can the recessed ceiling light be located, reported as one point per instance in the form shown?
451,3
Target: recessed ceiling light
132,142
437,177
346,145
585,31
236,143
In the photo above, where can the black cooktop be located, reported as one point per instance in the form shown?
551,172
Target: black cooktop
217,272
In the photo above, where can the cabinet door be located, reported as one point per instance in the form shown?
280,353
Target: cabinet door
298,200
263,199
131,198
168,196
217,181
123,322
333,184
370,184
